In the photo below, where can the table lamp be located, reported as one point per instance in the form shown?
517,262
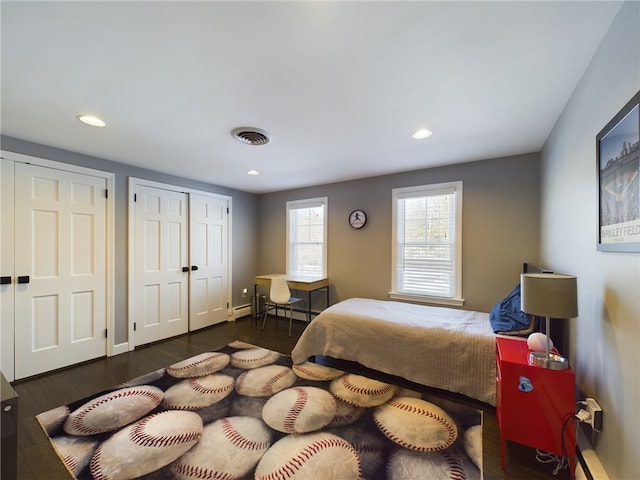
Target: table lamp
549,295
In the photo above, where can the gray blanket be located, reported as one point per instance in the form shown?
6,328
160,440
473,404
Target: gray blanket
439,347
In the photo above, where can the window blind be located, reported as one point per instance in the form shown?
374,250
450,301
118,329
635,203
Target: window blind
426,242
306,238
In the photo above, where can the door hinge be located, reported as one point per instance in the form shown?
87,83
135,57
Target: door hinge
227,210
134,326
106,193
135,197
227,305
106,333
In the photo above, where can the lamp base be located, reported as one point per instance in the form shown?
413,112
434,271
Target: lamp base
553,362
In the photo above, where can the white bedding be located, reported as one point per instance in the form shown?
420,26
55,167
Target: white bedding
439,347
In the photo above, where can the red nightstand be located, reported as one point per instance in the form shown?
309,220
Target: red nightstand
533,402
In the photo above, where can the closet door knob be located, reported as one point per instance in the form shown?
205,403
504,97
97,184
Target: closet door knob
5,280
185,269
194,267
23,279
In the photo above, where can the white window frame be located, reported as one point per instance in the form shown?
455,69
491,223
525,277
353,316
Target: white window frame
421,191
302,204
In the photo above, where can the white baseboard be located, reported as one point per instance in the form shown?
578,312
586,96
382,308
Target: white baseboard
240,311
592,468
120,348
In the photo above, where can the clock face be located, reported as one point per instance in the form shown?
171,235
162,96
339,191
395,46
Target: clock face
357,218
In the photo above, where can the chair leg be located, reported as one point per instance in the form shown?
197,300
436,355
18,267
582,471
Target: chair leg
264,319
306,311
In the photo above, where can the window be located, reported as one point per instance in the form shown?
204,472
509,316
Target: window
427,245
307,237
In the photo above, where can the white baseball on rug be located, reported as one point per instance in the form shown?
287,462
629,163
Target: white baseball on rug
361,391
113,410
300,410
416,424
197,393
229,448
199,365
265,381
318,455
147,445
209,417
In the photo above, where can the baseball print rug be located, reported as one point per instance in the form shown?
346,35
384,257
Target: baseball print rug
245,412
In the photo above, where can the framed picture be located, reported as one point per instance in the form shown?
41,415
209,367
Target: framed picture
618,161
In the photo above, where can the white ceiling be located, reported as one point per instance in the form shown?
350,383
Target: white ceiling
340,86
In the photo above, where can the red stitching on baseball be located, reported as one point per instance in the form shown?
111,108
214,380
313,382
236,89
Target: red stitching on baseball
70,462
252,359
198,387
191,364
294,464
353,414
289,423
239,440
384,388
240,381
456,472
267,389
364,448
96,462
138,435
193,471
313,374
450,429
77,422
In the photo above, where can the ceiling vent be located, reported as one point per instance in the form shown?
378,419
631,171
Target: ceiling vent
251,136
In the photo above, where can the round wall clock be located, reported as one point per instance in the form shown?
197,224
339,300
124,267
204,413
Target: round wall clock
357,218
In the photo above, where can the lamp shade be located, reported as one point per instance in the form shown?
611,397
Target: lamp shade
549,295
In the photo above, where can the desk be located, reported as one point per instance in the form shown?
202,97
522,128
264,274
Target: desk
301,283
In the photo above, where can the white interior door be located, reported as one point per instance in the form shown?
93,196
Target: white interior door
208,224
161,253
60,267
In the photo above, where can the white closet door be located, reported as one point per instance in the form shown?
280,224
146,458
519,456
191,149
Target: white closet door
161,254
60,267
208,220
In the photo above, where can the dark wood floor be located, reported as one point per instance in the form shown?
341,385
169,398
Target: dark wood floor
37,460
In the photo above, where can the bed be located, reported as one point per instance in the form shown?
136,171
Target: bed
440,347
445,348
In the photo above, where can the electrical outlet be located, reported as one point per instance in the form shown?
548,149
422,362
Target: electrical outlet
595,414
244,292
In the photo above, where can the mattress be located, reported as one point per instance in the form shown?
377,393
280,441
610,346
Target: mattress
439,347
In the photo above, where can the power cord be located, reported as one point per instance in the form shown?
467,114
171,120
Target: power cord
562,462
546,457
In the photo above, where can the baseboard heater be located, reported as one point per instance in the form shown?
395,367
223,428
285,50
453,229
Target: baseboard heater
241,311
588,466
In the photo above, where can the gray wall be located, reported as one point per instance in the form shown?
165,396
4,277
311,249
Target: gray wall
605,339
244,214
500,228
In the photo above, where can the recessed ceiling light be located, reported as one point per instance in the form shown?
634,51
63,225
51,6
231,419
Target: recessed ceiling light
91,120
253,172
422,133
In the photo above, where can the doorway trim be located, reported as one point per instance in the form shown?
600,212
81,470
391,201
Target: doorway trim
8,357
133,183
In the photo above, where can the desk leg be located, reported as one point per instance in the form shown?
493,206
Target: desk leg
327,290
256,304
